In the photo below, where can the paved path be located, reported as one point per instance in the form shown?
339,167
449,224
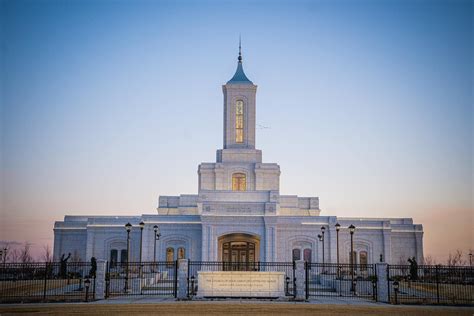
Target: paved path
153,306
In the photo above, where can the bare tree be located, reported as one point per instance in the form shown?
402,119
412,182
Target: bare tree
5,249
25,253
13,255
455,259
429,261
47,256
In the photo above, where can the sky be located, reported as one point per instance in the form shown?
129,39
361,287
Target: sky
105,105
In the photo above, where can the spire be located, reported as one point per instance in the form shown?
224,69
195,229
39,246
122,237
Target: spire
240,50
239,76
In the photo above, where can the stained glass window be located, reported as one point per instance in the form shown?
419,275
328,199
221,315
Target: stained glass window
239,182
239,121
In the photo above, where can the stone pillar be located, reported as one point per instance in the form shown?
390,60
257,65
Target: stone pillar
100,279
419,243
387,242
331,240
182,279
382,282
300,275
204,243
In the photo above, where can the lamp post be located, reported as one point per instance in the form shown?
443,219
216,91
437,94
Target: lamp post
338,227
320,238
128,228
142,225
470,258
351,231
323,229
156,229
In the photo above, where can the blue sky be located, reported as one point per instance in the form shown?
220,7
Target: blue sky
105,105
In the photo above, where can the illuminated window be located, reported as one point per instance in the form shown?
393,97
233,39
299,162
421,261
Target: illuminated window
239,182
181,253
169,254
239,121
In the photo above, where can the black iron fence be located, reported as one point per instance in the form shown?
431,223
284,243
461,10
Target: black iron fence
433,284
142,278
347,280
194,267
49,281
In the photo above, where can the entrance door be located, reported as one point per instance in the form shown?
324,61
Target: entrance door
240,255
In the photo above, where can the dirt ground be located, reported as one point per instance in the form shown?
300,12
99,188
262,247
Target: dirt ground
229,308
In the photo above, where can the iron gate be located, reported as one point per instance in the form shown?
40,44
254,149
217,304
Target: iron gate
142,278
346,280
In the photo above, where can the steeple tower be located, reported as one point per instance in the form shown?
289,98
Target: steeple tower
239,109
239,165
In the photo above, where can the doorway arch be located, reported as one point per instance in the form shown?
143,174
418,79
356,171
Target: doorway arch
239,251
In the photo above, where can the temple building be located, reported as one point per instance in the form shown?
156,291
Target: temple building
238,213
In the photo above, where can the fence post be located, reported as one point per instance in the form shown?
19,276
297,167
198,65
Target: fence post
182,279
306,279
45,280
437,284
382,282
299,289
100,279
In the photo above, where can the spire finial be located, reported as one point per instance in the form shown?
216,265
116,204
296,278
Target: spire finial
240,50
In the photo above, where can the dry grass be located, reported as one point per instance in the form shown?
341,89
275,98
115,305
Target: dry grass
31,287
230,308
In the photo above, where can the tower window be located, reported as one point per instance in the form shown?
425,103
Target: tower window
239,182
239,121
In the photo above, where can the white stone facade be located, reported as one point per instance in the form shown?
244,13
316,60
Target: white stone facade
245,206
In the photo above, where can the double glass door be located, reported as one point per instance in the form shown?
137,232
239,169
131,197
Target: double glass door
238,255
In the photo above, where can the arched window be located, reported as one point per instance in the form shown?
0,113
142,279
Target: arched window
239,121
123,256
307,255
363,260
296,254
181,253
169,254
239,182
113,257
